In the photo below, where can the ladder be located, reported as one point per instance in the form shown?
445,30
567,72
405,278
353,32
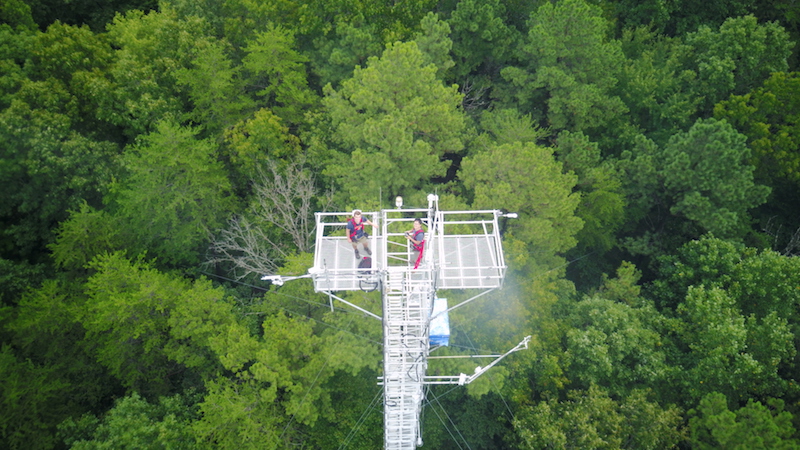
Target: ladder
407,302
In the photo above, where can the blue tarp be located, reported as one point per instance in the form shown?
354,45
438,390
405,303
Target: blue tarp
440,325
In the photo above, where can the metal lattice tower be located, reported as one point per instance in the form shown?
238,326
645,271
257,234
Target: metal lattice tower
462,251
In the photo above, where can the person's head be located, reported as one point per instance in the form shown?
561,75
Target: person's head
357,215
417,224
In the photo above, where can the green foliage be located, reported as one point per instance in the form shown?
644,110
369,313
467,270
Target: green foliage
593,419
358,422
689,15
63,378
738,317
602,197
761,282
701,181
457,420
254,140
770,118
656,83
17,277
506,126
394,122
614,346
130,142
754,426
526,178
133,423
482,39
654,14
174,196
276,70
349,44
738,57
215,88
146,326
569,65
143,87
17,14
722,357
707,261
29,401
435,44
54,153
706,172
88,232
238,415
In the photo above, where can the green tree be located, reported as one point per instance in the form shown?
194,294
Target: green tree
761,282
506,126
30,401
238,414
349,44
770,118
657,84
81,12
134,423
147,327
394,122
689,15
602,197
87,232
56,154
49,169
569,66
262,137
277,73
279,382
434,42
50,374
614,346
706,172
482,41
215,87
738,57
593,419
17,14
174,196
728,352
754,426
143,88
699,182
525,178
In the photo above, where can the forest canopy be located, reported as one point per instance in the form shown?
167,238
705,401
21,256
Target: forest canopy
158,156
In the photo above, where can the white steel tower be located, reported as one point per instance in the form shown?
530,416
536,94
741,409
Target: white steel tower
462,250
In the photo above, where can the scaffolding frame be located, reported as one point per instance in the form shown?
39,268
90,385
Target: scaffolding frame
462,251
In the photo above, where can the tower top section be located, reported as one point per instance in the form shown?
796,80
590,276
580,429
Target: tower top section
462,249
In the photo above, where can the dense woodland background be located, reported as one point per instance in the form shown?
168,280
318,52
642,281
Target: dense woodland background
158,155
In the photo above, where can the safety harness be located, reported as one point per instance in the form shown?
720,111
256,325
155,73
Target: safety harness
418,247
356,227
